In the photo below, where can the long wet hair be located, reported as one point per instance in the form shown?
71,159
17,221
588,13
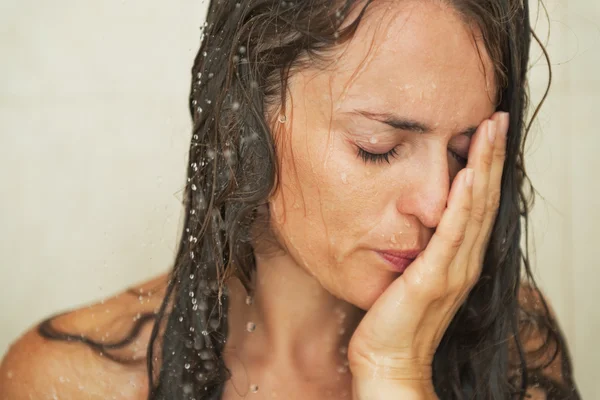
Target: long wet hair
248,52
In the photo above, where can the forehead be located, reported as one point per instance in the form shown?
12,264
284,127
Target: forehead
420,58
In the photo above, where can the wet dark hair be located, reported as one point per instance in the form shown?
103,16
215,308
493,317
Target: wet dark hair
239,78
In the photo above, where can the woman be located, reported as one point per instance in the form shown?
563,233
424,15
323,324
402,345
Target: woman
352,230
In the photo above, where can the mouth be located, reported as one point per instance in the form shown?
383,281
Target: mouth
399,260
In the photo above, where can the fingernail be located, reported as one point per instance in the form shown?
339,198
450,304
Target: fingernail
505,123
492,131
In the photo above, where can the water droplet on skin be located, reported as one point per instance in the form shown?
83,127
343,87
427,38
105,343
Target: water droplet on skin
407,224
344,177
343,350
393,238
250,326
342,369
249,300
373,140
9,374
254,388
281,118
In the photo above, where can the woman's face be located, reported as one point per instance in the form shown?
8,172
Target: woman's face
337,206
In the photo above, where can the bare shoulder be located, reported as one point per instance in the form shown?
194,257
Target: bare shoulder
51,360
544,348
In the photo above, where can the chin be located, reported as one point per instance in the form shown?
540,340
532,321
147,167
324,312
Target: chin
363,292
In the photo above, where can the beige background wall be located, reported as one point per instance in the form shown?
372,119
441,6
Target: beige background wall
93,140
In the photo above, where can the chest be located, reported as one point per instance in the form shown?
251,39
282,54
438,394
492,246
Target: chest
277,386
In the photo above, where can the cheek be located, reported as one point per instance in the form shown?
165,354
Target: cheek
327,199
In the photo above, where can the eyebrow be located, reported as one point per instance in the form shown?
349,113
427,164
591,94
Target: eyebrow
405,124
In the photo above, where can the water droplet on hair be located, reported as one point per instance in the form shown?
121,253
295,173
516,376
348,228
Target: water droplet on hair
210,74
188,388
242,49
194,187
344,177
214,323
205,355
235,106
254,388
209,365
187,366
250,326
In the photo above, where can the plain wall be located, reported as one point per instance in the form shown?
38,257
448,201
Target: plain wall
94,133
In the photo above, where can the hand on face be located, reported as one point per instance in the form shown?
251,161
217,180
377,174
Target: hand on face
397,338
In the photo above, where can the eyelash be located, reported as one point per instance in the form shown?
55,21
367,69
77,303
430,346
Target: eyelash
385,157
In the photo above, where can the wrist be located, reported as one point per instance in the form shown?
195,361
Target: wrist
375,389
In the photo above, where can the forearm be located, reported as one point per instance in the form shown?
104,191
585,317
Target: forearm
392,390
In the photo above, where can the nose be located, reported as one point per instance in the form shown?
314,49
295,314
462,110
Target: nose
426,191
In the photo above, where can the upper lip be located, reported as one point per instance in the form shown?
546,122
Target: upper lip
408,253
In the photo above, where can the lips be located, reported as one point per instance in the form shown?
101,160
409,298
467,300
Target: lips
399,260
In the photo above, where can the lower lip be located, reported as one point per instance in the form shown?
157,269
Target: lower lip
398,264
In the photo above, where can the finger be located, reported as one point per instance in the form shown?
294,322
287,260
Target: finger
450,232
495,181
481,155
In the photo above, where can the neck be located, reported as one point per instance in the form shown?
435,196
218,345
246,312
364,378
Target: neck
294,322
